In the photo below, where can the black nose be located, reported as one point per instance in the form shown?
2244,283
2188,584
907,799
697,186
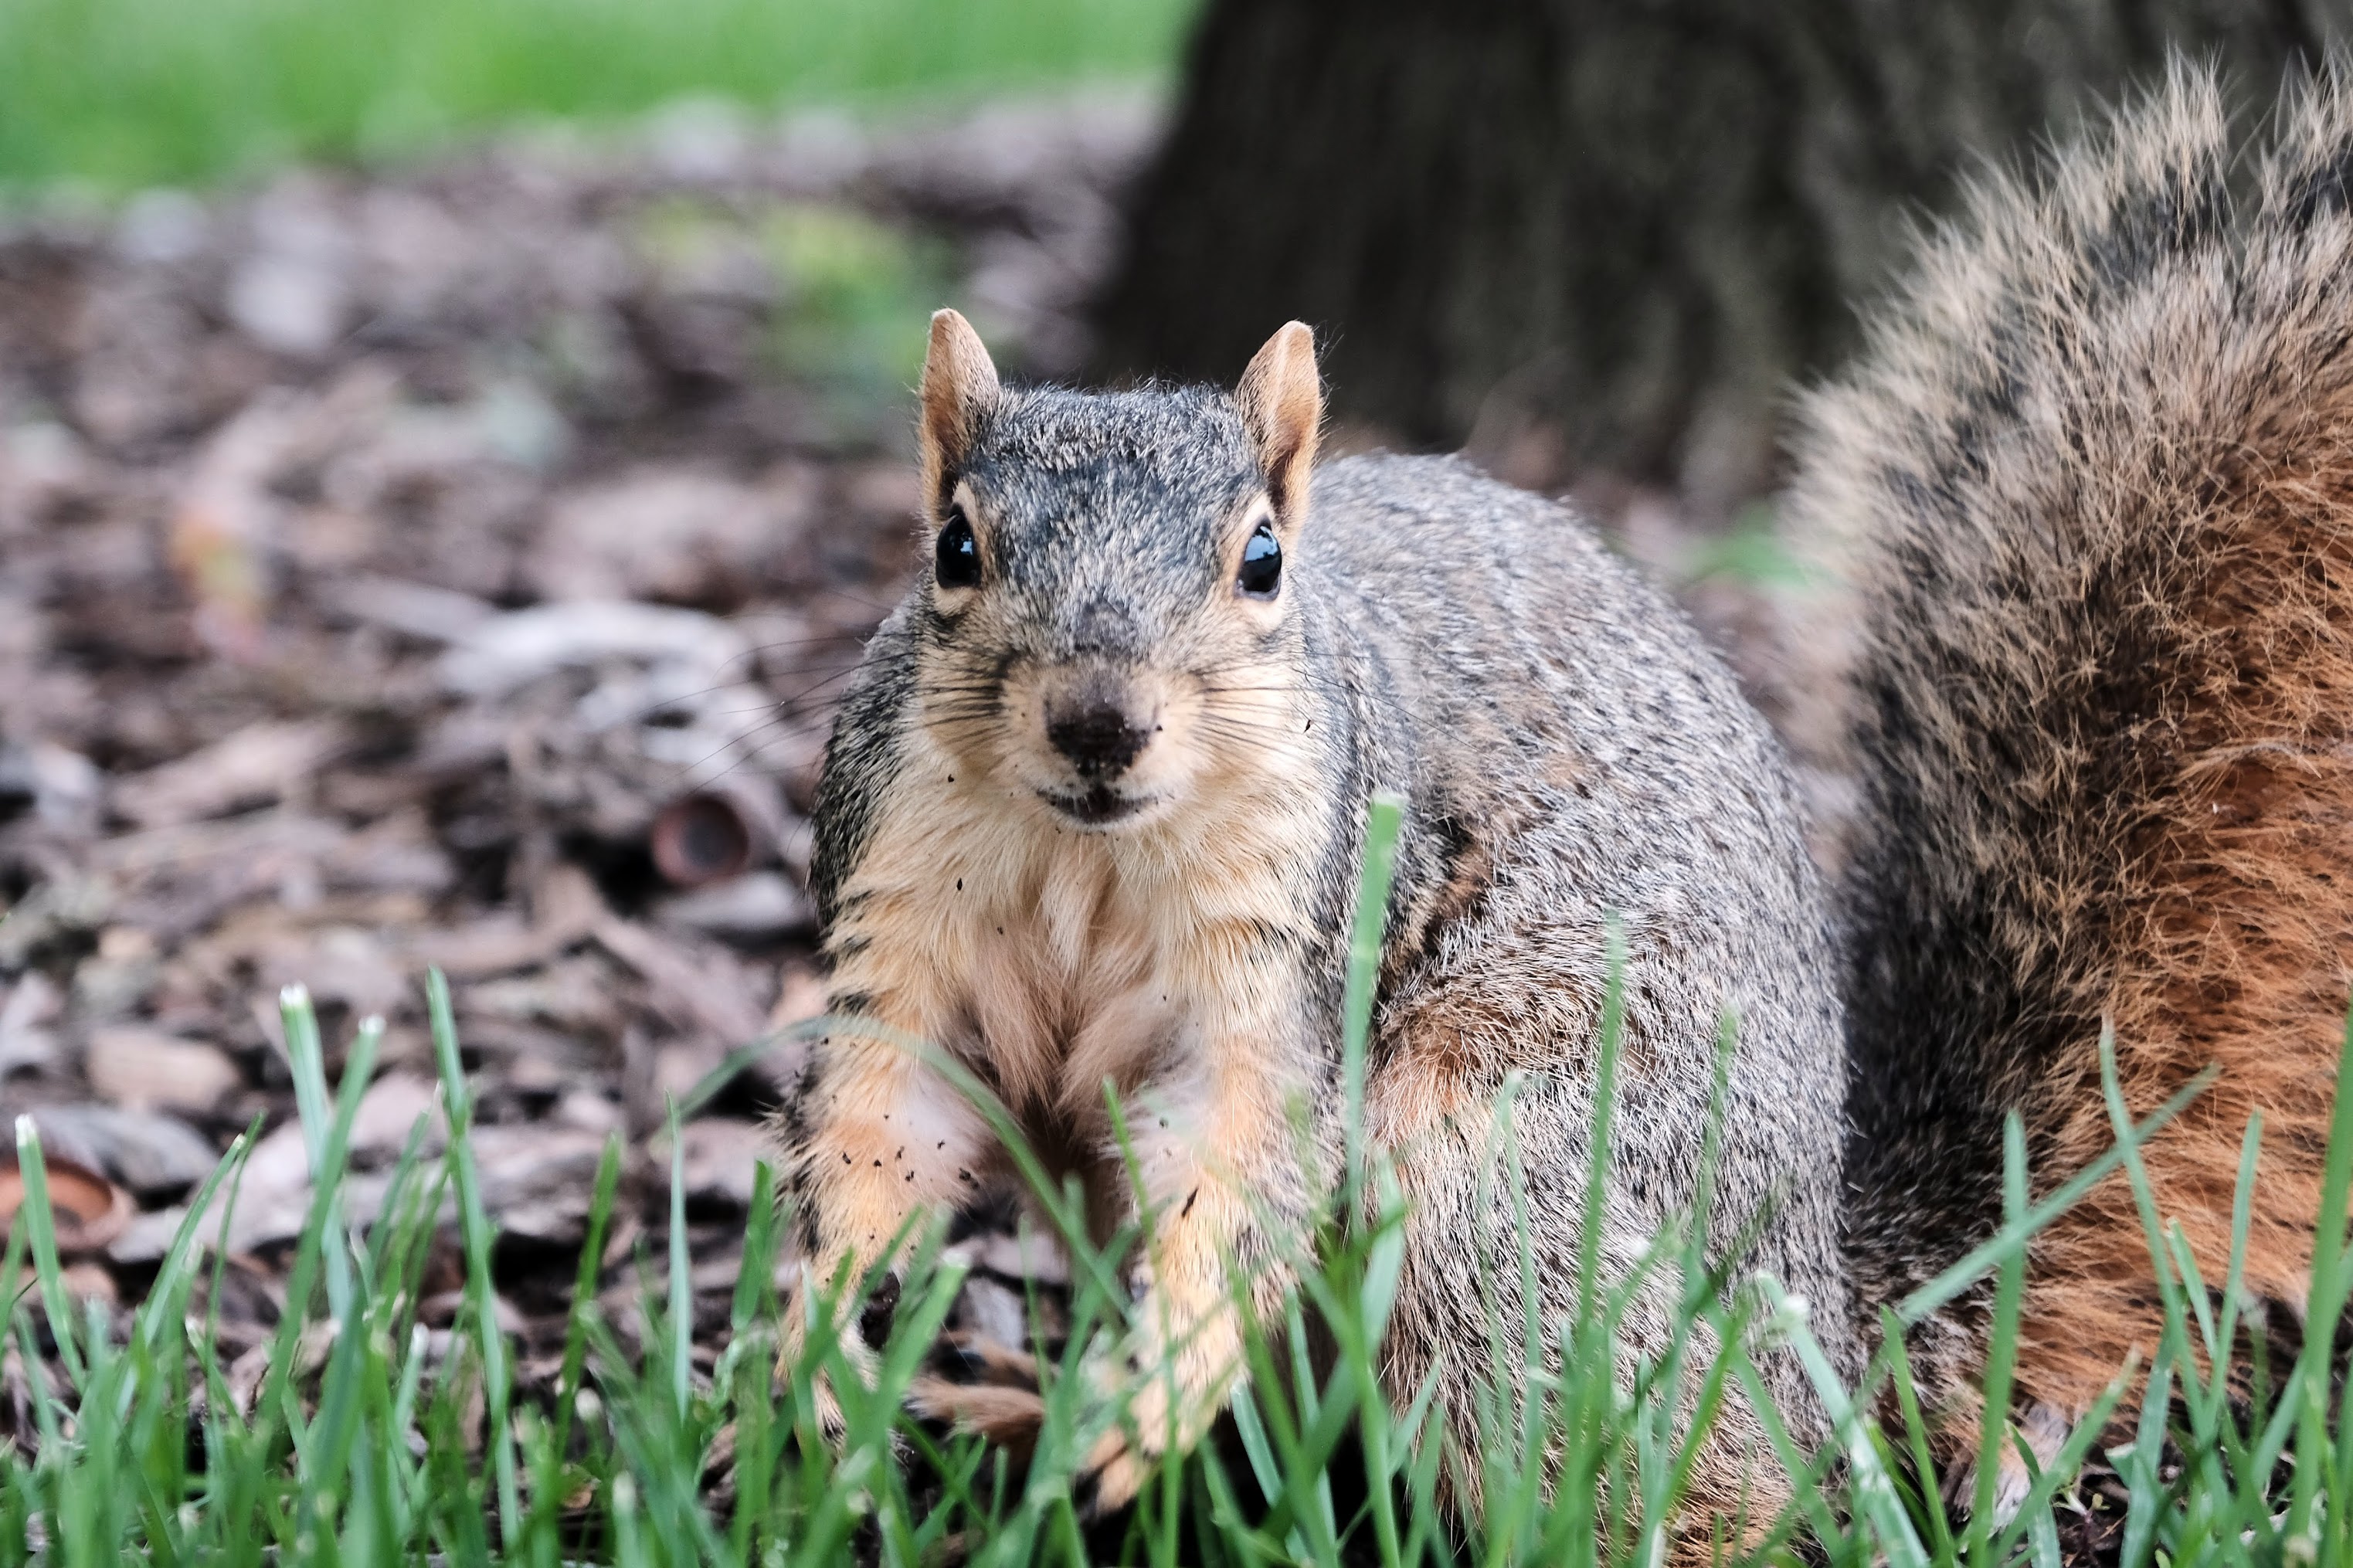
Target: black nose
1098,739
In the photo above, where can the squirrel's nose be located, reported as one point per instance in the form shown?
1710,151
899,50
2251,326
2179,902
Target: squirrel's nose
1098,738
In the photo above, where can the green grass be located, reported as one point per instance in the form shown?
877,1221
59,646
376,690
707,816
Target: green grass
370,1441
120,94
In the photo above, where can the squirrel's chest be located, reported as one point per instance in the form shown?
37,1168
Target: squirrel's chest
1050,961
1073,982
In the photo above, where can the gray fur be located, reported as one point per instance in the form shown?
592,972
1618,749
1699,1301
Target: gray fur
1570,753
1542,708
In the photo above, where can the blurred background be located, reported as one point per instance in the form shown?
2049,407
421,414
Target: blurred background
452,450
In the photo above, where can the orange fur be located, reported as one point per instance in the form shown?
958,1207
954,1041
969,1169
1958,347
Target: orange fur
2095,481
2234,941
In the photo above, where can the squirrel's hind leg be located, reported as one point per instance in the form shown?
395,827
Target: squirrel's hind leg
1487,1213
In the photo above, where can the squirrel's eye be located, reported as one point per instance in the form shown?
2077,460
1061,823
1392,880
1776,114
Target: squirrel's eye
1262,571
955,559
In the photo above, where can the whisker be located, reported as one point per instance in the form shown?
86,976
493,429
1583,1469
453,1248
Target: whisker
1234,716
810,641
751,755
851,660
875,606
802,693
760,737
1261,734
1231,665
1256,720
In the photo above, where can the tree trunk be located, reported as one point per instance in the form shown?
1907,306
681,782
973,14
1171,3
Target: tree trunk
1601,235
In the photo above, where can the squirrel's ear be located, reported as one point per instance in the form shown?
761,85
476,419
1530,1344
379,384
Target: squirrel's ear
959,386
1283,403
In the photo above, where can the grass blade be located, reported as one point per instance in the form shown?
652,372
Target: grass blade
38,1223
584,1291
681,1288
474,1222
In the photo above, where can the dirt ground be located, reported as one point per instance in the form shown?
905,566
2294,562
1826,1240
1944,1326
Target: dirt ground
381,556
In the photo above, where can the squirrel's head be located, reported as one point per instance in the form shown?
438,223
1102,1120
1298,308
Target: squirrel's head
1107,618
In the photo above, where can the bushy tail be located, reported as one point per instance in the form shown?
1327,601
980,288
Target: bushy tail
2093,483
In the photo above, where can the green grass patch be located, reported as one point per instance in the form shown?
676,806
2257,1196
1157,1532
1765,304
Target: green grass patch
121,94
857,320
853,296
368,1440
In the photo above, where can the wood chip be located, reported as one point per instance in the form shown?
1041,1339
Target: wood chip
684,986
257,764
144,1070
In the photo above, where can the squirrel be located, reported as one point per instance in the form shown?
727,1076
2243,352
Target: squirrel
2091,484
1092,813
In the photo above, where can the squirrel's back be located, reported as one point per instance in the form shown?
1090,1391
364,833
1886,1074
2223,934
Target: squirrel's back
1576,757
2094,480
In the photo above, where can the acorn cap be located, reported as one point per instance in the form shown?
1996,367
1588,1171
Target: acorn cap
86,1210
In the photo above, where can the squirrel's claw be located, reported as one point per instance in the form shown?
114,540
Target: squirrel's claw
1117,1465
1111,1479
856,1343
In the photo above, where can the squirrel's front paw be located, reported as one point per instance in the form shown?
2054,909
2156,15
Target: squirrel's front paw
832,1422
1126,1455
858,1348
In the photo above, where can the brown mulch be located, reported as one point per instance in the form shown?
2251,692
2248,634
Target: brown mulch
384,552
